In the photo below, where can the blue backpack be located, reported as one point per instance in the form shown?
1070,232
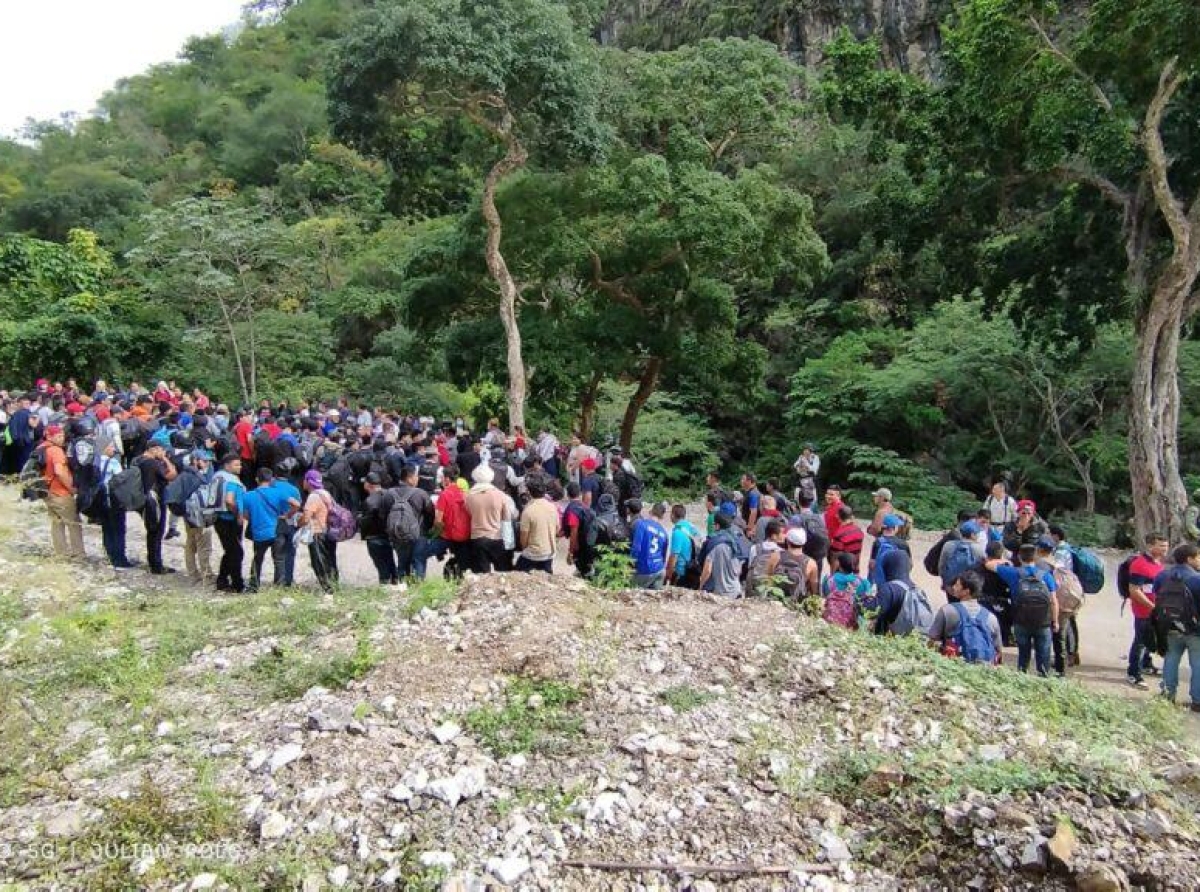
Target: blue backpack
886,546
973,637
1089,569
960,559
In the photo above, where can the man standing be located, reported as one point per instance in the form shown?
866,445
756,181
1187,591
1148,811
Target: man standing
751,501
684,547
966,628
261,525
372,525
1143,570
157,472
488,509
66,529
883,508
1034,608
577,523
197,542
411,557
229,495
723,561
452,516
649,546
807,466
547,451
1000,506
539,528
833,520
1184,636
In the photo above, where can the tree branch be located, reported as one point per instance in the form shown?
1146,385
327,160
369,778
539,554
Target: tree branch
614,289
1110,190
1169,82
1100,95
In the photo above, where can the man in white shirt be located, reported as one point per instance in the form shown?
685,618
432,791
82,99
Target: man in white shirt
1000,505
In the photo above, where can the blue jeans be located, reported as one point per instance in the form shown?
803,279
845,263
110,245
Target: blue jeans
1139,654
412,557
1177,643
649,581
1037,641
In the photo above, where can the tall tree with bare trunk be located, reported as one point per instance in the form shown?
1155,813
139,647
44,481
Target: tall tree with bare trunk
516,70
1099,103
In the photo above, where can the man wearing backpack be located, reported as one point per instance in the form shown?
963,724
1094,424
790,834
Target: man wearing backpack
1000,506
1034,608
684,549
723,560
995,595
579,529
66,528
901,607
157,472
959,555
413,553
1177,620
1141,571
888,542
883,509
965,628
197,541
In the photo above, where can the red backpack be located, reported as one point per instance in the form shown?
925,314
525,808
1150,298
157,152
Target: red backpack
840,607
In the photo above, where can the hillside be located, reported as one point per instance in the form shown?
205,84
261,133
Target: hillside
544,735
908,31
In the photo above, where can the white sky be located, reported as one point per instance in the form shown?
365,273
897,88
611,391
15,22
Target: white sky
61,55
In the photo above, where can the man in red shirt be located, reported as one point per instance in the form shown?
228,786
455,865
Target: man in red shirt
833,504
848,539
1142,570
243,432
455,521
66,529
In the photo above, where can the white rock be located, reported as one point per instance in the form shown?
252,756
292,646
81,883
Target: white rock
416,779
991,752
203,881
654,665
338,876
388,704
143,866
390,877
285,755
274,826
605,807
400,793
834,848
466,783
221,749
166,729
519,830
518,761
446,732
257,760
535,701
508,870
444,860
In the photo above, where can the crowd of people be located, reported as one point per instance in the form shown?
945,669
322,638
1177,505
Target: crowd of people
277,478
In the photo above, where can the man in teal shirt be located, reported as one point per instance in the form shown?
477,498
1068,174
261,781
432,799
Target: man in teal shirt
684,537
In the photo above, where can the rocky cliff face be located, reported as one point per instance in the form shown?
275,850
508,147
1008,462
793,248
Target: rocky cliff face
908,30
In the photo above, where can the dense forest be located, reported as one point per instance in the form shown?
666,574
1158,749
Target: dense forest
693,231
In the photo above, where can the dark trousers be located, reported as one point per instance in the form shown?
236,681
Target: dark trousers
487,554
323,555
283,553
256,562
112,531
229,575
1139,654
525,565
1058,641
383,556
154,516
460,559
551,467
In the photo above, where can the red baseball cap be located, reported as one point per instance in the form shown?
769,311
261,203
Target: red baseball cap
53,430
588,464
1026,504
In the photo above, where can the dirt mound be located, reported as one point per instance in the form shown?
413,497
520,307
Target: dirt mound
533,732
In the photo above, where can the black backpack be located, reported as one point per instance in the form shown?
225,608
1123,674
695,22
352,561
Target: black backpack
933,557
403,523
1123,582
427,477
816,545
1174,609
609,530
125,491
1032,607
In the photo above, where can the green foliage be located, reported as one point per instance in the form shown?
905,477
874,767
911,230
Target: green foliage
429,594
285,674
534,717
685,698
613,570
674,448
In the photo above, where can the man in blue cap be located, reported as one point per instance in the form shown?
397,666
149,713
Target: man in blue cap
888,541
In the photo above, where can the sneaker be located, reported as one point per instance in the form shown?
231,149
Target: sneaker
172,534
1139,683
162,571
1195,707
1150,670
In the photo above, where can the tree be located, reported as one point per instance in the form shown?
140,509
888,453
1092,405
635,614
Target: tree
218,262
514,69
1096,105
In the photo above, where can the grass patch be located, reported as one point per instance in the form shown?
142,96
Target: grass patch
685,698
431,594
535,717
552,802
285,674
149,822
1102,727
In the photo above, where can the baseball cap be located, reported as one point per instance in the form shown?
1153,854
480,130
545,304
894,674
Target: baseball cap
588,464
373,478
54,430
883,493
1045,543
969,528
892,522
1026,505
796,536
